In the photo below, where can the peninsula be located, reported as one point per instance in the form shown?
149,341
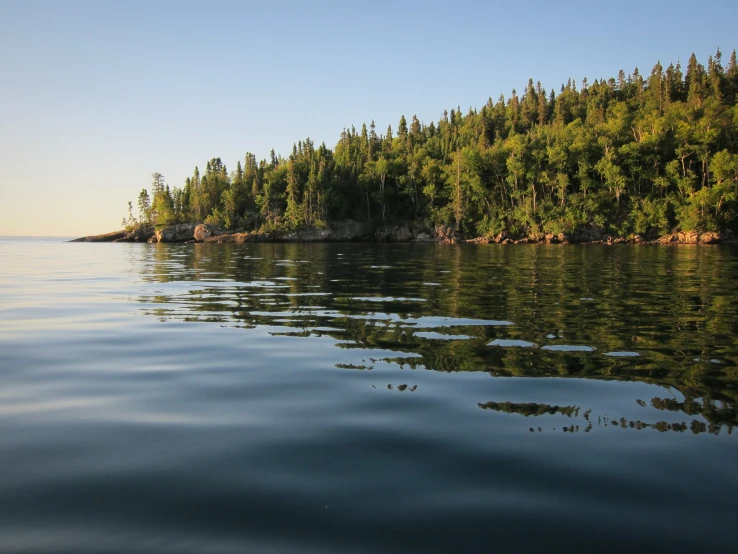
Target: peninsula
639,158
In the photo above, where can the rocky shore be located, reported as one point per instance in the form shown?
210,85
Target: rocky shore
354,231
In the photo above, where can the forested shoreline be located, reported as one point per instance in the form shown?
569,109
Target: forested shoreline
632,154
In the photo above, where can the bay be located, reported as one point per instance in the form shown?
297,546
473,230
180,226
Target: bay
366,398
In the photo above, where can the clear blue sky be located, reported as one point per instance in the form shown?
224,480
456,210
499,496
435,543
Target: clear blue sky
96,96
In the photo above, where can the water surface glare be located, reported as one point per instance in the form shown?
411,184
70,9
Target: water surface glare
367,398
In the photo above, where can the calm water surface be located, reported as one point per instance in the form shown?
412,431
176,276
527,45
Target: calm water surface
287,398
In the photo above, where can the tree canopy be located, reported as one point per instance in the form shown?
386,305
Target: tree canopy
634,154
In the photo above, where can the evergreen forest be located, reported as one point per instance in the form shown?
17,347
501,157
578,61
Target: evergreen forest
646,154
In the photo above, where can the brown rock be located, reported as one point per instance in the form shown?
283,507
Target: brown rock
710,237
205,230
140,234
175,233
666,239
446,234
234,238
219,239
689,237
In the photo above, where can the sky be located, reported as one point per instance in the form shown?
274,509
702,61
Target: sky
96,96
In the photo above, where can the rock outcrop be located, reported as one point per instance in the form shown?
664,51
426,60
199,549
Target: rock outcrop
710,237
343,231
446,234
588,233
394,233
693,237
205,230
305,235
139,234
405,232
175,233
349,231
107,237
233,238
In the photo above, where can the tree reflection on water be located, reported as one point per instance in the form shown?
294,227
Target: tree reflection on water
673,306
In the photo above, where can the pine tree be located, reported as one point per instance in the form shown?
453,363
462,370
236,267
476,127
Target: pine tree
144,207
731,78
542,105
402,128
388,139
695,81
293,213
415,129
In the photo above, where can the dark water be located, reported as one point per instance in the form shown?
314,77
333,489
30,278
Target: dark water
367,398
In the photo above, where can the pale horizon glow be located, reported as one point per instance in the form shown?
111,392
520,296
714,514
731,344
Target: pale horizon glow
97,96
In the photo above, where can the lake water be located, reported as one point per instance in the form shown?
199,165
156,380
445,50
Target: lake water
350,398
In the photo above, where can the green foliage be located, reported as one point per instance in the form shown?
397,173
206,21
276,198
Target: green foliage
144,207
649,216
632,155
491,225
216,217
130,223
